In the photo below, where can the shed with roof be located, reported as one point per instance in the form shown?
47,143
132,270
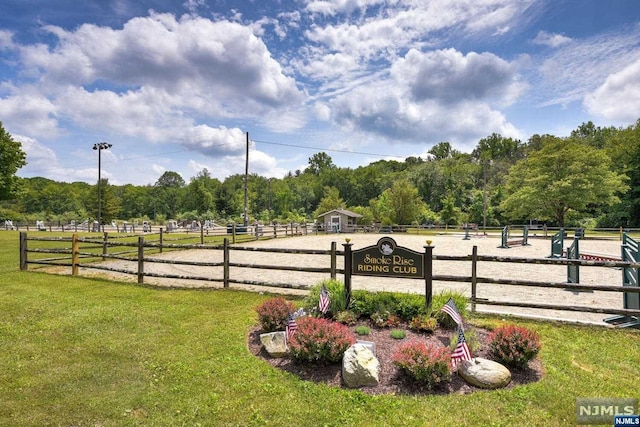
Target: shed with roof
339,221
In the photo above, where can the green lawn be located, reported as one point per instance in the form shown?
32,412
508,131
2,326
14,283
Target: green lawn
89,352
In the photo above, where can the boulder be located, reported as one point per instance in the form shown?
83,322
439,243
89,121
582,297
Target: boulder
484,373
274,343
360,367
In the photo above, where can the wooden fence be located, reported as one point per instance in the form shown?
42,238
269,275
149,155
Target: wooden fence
87,252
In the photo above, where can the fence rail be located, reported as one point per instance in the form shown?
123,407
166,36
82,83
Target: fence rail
143,251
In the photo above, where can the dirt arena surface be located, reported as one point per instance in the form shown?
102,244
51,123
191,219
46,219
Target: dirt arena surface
450,244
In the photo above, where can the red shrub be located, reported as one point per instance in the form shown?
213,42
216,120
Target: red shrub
273,314
318,339
425,363
514,345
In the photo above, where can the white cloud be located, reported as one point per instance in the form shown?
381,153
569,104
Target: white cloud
214,141
193,5
361,47
330,66
450,77
187,56
384,111
550,39
576,69
322,111
618,98
333,7
442,94
29,112
6,39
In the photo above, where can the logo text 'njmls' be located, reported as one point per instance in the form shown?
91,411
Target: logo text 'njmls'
603,410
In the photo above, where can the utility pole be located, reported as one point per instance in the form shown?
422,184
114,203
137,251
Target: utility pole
246,183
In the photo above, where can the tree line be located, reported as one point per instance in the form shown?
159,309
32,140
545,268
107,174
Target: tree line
590,178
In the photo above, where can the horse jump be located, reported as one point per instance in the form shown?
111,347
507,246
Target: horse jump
558,250
518,241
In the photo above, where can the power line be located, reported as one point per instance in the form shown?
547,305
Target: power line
327,149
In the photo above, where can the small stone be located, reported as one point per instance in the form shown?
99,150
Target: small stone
360,367
484,373
274,343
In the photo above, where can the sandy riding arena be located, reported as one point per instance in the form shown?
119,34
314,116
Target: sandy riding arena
452,244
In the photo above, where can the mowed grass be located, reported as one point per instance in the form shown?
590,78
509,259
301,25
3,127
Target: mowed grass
90,352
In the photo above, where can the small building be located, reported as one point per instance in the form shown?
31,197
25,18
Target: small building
339,221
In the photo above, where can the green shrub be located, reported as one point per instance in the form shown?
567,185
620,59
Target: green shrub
423,323
440,299
514,345
398,334
363,303
363,330
410,306
320,340
404,306
424,362
273,313
346,317
337,301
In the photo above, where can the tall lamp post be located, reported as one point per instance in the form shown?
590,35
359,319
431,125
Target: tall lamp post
100,146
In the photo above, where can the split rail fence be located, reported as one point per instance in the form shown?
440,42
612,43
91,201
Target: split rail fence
87,252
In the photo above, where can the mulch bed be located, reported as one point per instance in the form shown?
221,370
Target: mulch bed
391,379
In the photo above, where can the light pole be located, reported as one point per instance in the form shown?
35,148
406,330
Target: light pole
100,146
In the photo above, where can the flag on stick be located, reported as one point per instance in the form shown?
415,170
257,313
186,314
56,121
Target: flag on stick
451,309
461,352
291,327
324,301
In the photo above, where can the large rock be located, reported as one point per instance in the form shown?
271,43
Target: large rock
484,373
360,367
274,343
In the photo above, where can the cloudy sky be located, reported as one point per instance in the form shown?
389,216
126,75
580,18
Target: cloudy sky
176,85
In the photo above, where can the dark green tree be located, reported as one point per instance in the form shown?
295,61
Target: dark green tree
563,176
401,204
330,201
12,158
168,192
319,163
110,206
201,193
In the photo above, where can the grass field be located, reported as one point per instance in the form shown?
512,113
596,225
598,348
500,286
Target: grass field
89,352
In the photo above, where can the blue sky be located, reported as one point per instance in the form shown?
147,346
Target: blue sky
175,85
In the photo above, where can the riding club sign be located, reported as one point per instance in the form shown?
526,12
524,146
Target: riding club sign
387,259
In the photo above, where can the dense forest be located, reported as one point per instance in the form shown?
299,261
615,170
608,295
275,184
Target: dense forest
590,178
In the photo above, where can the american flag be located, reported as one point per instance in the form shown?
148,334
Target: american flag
451,309
323,303
291,327
462,351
